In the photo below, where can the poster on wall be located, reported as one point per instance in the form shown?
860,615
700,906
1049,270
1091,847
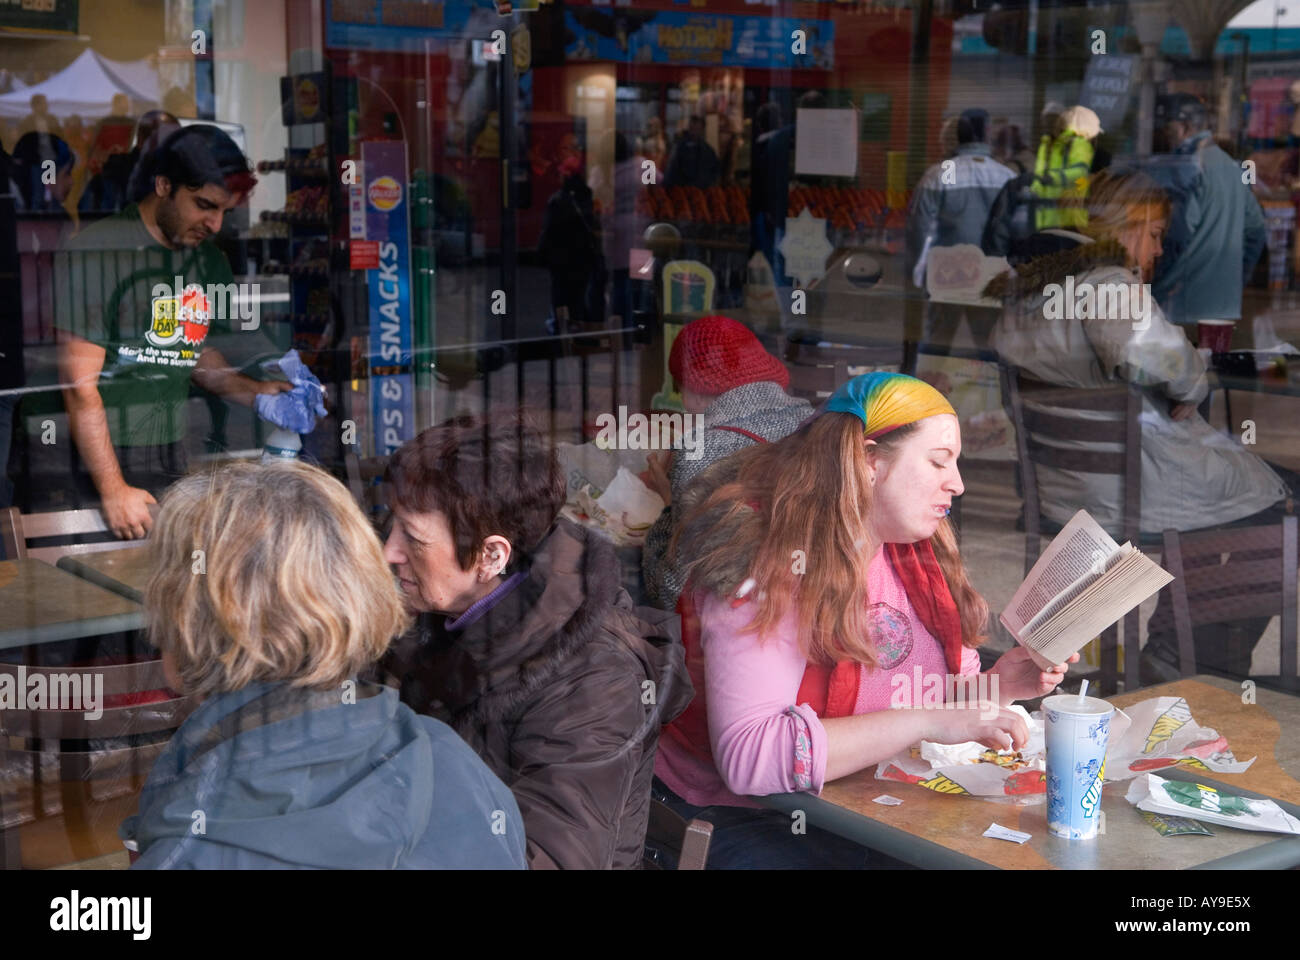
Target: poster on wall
43,16
392,400
705,39
826,142
1107,87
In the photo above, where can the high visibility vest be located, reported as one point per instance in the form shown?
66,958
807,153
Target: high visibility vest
1061,177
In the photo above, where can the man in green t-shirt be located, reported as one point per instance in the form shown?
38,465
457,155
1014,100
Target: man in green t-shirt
138,295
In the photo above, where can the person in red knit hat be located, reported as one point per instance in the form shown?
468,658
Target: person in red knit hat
725,374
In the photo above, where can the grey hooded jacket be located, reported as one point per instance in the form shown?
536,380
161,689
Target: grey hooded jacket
273,776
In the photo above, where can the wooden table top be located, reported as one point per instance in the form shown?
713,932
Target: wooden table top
124,571
928,828
40,603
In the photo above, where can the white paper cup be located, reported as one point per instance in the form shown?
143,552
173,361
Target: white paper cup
1076,731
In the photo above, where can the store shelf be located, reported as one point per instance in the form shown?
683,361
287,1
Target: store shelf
301,169
296,219
316,267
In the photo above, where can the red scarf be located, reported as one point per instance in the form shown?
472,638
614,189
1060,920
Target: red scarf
830,691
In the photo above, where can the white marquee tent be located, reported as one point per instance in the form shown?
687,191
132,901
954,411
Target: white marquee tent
86,87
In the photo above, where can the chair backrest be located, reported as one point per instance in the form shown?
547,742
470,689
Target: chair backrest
1123,403
1257,580
688,840
817,370
17,528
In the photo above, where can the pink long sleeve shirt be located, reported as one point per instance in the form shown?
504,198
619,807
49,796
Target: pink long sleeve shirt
762,741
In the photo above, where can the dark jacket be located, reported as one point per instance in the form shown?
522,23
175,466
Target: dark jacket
276,777
1216,233
561,687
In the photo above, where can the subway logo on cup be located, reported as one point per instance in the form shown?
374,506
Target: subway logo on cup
385,193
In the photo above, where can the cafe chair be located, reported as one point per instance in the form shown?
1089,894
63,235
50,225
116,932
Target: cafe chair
61,802
1259,580
1022,395
687,840
17,528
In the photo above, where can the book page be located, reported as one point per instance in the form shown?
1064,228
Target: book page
1075,590
1070,558
1105,603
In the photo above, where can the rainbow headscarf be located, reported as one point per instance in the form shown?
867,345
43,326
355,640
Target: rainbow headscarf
886,401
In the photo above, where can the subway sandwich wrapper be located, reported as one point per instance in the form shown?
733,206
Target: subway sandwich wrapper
1162,733
604,491
624,511
1082,584
1209,804
588,465
972,769
1150,735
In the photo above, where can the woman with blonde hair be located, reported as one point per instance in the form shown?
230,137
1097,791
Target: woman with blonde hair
269,595
822,572
1193,476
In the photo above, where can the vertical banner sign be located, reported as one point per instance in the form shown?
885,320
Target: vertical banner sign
392,403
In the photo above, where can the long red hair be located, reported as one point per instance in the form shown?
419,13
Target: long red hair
808,492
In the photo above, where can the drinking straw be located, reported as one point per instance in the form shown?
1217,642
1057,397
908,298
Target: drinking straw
1083,691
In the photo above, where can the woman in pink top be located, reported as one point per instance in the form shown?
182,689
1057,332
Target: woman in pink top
826,592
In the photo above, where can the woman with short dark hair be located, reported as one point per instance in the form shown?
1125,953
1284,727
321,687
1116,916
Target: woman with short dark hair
526,642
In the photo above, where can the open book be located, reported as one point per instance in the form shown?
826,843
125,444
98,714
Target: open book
1083,583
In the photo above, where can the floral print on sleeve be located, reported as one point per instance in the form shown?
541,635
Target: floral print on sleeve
803,760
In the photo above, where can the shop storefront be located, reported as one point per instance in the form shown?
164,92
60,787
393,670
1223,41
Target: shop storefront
469,206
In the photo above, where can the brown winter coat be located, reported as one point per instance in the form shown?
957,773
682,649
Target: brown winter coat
561,688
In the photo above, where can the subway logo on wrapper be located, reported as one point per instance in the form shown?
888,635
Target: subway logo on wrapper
385,194
1167,724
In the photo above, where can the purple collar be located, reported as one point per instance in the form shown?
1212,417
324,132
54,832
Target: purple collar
484,604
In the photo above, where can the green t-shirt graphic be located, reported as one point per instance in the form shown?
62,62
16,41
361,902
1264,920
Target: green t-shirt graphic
118,287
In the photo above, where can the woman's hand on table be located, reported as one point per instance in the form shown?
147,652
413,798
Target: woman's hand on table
994,726
1019,678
